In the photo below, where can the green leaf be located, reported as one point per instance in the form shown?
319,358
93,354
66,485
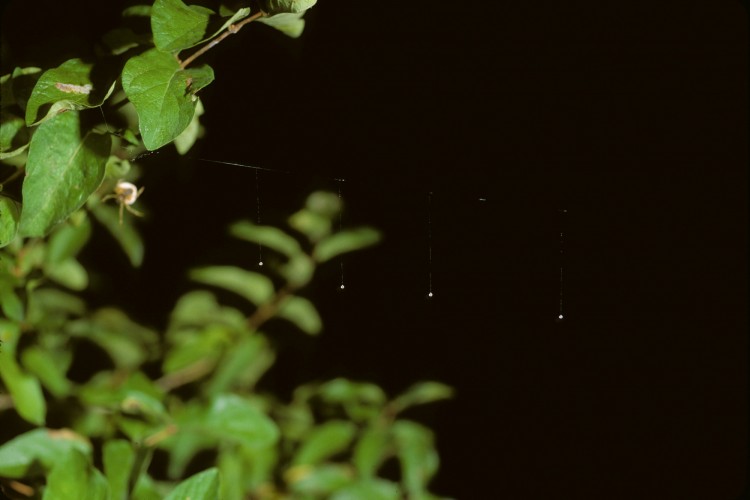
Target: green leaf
320,481
277,6
9,216
62,170
299,270
125,234
14,136
302,313
163,94
69,273
118,457
68,87
10,303
25,390
234,418
42,364
422,393
177,26
267,236
140,403
74,478
417,455
345,241
372,489
312,224
242,365
67,240
38,450
325,441
252,286
370,451
201,486
187,138
291,24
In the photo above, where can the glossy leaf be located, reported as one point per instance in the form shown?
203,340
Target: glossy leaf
325,441
177,26
9,217
163,94
374,489
67,87
25,390
118,457
254,287
74,478
345,241
278,6
302,313
201,486
62,170
36,451
125,234
267,236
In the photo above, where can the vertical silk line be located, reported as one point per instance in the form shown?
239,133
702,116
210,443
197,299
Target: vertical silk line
560,315
257,205
341,211
429,245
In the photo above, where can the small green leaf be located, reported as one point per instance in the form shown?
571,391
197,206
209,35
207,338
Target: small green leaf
118,457
10,303
38,450
140,403
291,24
62,170
74,478
252,286
299,270
372,489
417,455
163,94
201,486
234,418
325,441
312,224
302,313
9,216
242,365
125,234
422,393
345,241
177,26
320,481
67,240
68,87
25,390
187,138
69,273
199,309
40,363
277,6
14,136
267,236
370,451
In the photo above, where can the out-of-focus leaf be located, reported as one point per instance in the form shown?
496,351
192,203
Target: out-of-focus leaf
242,365
200,308
137,11
144,404
277,6
40,363
10,303
299,270
125,234
267,236
177,26
370,451
67,240
203,346
118,457
291,24
201,486
422,393
48,303
36,451
146,489
68,87
9,216
345,241
302,313
74,478
325,441
371,489
417,455
25,391
252,286
187,138
120,40
14,136
319,481
313,225
341,390
62,170
163,94
234,418
69,273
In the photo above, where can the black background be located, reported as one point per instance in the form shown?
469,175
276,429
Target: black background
632,116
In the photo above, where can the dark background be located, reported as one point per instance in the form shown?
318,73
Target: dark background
631,116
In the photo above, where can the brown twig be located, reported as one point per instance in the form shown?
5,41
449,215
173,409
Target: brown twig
231,30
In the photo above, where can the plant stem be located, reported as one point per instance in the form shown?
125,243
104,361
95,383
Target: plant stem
231,30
